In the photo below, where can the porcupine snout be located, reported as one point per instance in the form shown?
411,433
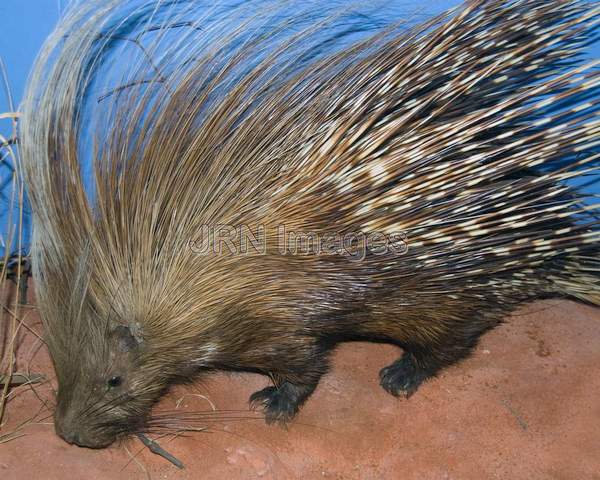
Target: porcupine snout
70,429
67,432
66,426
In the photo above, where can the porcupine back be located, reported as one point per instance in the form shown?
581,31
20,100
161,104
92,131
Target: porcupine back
462,137
460,132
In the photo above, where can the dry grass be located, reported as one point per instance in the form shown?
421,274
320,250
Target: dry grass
14,333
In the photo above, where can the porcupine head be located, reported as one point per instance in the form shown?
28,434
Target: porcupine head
144,121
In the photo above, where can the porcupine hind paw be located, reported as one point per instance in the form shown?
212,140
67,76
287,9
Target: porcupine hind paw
280,404
403,377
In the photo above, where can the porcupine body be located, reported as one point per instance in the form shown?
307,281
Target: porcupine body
459,133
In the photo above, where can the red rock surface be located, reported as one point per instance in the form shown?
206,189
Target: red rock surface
525,406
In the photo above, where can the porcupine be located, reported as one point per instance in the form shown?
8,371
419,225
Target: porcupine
461,132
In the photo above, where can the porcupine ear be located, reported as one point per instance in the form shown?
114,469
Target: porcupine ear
125,338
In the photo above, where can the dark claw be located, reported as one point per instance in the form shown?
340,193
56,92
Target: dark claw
279,405
402,378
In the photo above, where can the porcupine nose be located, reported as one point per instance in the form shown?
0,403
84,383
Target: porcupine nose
70,434
75,437
71,437
66,434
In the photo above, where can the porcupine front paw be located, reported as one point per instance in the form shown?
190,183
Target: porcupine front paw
280,404
403,377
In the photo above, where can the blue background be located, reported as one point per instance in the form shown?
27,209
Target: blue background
26,23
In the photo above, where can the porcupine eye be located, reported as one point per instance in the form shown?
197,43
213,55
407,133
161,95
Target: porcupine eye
114,381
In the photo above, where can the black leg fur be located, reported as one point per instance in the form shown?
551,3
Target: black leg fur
281,403
403,377
292,386
421,362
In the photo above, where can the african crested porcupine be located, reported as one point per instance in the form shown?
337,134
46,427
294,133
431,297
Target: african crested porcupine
456,138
